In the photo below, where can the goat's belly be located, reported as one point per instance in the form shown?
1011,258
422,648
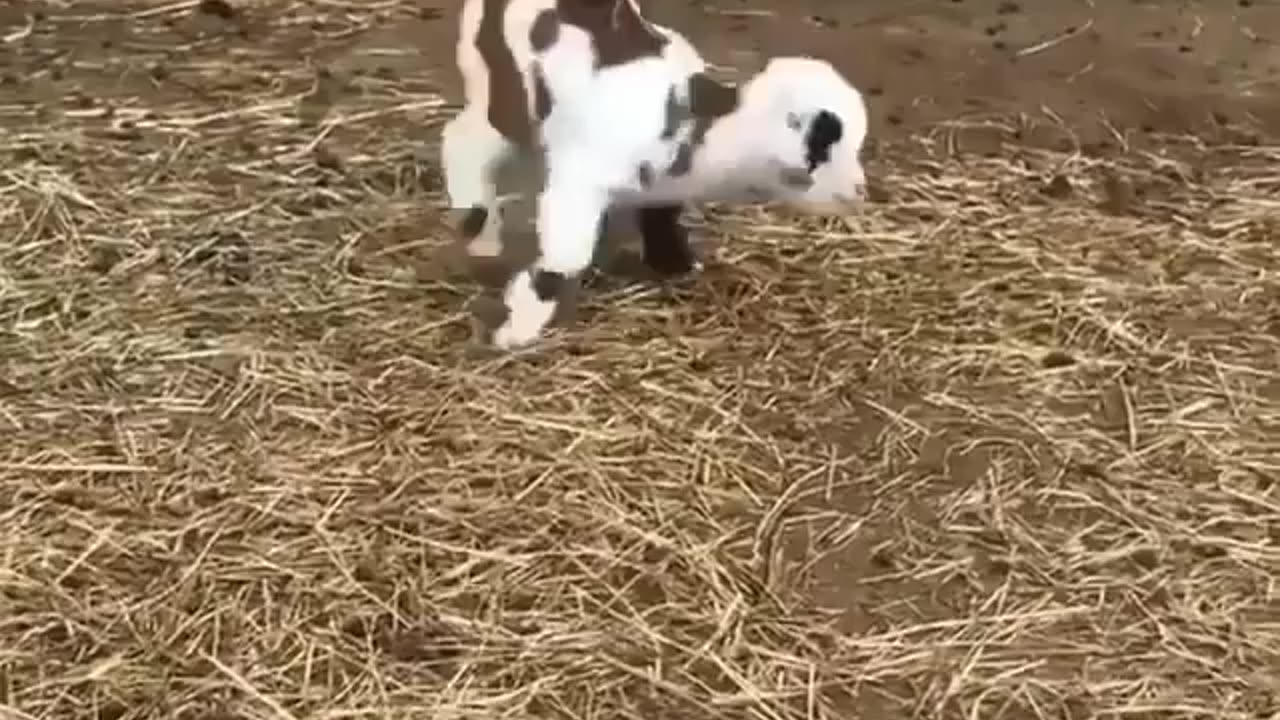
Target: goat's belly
630,197
672,192
666,190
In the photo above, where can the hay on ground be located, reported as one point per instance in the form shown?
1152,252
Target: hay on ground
1005,446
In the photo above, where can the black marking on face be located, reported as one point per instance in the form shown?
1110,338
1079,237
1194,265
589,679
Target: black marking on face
548,284
473,223
825,131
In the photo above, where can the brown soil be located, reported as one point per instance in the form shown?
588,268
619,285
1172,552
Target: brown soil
1004,447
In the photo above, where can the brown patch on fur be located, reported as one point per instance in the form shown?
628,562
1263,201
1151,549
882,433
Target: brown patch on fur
708,101
541,97
544,31
508,106
618,32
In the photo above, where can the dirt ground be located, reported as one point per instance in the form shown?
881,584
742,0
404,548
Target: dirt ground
1006,446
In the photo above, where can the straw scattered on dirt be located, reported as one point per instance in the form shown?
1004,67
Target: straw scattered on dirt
1004,447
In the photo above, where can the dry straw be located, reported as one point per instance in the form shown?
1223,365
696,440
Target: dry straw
1005,447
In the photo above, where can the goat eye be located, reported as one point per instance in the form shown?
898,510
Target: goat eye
794,121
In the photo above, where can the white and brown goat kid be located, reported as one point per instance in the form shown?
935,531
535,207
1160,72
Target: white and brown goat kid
626,116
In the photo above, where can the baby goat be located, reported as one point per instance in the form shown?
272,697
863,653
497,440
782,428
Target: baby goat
625,115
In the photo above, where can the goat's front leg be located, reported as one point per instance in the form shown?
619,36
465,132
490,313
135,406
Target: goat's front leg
569,217
667,250
472,151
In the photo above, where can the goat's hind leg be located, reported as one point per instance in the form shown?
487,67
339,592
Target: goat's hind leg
665,240
472,151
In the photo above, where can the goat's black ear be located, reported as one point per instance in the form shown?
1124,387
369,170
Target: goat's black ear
824,130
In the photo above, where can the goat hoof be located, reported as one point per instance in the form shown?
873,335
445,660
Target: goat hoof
507,337
667,266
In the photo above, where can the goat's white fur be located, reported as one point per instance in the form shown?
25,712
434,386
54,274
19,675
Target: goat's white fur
606,123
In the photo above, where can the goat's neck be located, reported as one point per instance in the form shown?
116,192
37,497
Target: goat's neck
739,147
